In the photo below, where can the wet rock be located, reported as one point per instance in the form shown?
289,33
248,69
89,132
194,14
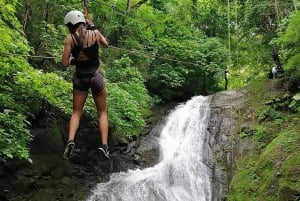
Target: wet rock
3,198
224,141
47,164
15,165
43,195
47,141
24,183
147,148
147,152
58,172
69,186
55,179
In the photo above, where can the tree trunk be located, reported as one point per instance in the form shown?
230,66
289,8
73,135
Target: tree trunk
128,5
139,4
25,19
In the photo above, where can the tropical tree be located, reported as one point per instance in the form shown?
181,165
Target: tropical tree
290,42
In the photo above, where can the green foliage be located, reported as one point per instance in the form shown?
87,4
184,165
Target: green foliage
291,35
126,119
12,39
260,134
263,17
46,35
269,171
251,61
270,115
48,86
8,10
195,67
255,26
289,184
290,40
210,17
268,177
128,78
176,55
295,104
164,33
128,100
14,136
50,44
42,22
21,86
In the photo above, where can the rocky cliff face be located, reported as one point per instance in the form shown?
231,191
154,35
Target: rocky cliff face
229,116
48,177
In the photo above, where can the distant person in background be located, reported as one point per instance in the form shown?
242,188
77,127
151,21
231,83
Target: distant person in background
274,71
82,49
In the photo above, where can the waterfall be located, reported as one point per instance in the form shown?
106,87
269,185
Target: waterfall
182,173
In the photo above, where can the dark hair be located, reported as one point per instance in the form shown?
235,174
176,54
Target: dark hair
72,28
82,30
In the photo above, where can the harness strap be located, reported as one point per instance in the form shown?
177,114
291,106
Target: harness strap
77,40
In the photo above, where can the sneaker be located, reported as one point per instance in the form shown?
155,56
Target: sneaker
69,149
104,150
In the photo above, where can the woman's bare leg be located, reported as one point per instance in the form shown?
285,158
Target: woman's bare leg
79,98
100,101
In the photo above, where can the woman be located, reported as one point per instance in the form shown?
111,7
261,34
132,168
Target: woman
82,45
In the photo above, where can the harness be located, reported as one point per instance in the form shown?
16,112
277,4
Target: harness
86,59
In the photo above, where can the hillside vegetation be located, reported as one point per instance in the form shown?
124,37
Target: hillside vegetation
161,52
272,170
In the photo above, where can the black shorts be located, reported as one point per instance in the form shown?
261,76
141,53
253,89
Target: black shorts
96,83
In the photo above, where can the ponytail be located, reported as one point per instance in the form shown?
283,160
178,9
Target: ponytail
82,33
81,30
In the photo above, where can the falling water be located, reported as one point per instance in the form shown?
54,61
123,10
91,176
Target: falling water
182,174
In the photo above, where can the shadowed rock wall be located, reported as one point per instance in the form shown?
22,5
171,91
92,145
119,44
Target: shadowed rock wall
229,116
51,178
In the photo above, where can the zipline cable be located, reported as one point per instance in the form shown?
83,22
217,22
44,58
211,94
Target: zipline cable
85,7
27,55
149,55
137,51
113,47
155,56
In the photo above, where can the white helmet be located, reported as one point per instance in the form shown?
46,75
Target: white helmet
74,17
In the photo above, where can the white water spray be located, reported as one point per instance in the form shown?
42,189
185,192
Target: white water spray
182,174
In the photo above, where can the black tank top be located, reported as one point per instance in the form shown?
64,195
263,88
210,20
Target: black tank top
86,59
